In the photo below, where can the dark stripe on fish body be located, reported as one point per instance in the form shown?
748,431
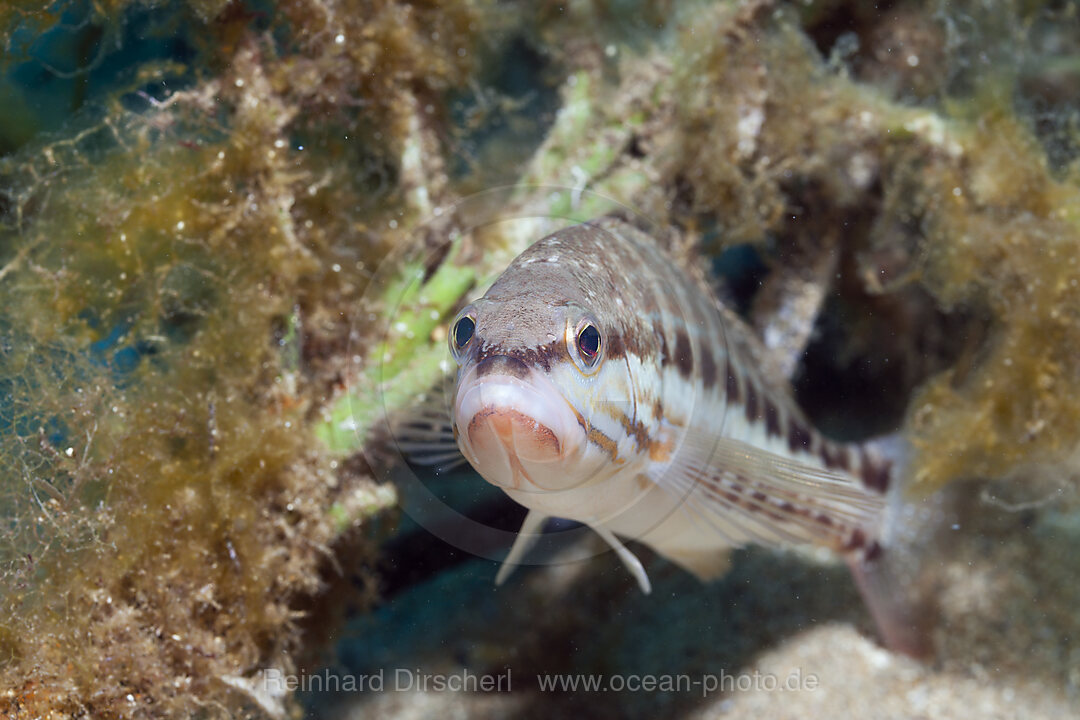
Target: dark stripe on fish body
855,541
615,347
684,354
871,549
875,474
733,395
751,401
708,367
798,435
772,418
835,457
843,457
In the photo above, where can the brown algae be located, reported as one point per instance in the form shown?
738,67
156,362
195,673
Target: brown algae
169,299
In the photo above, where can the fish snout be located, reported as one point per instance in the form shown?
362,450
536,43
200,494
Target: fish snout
518,434
515,425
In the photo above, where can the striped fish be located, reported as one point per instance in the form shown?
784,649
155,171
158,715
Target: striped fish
596,381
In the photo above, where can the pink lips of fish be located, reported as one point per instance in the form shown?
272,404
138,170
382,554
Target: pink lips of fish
517,431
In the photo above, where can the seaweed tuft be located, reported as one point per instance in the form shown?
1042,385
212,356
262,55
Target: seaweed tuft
179,284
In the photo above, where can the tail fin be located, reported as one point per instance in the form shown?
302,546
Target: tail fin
884,563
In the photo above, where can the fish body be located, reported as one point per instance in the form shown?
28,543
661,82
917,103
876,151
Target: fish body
598,382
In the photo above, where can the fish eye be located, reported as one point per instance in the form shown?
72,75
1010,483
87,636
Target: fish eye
462,334
588,343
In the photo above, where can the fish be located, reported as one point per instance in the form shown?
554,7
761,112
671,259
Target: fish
598,381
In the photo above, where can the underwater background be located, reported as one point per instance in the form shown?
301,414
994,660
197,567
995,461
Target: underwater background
232,233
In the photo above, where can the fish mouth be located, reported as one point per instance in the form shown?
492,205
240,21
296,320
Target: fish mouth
515,427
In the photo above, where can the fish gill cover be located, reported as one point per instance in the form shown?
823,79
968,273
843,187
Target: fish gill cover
187,240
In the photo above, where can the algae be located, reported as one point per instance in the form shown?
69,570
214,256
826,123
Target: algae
1004,231
173,279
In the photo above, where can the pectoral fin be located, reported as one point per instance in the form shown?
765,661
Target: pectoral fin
424,435
752,496
528,534
629,560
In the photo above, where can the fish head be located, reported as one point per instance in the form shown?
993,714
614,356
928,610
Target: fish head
530,372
